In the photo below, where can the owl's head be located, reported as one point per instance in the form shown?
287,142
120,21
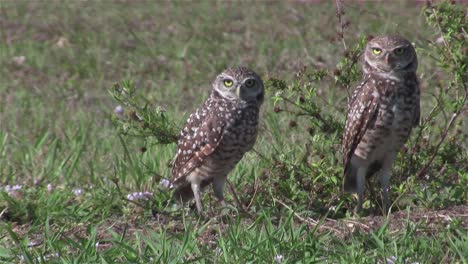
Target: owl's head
389,54
240,83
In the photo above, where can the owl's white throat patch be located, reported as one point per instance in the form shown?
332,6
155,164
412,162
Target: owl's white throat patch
390,75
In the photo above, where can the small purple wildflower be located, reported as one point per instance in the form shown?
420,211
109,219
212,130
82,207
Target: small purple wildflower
139,196
9,189
165,183
118,111
279,258
14,191
50,187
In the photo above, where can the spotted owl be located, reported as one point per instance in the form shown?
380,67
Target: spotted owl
382,112
217,135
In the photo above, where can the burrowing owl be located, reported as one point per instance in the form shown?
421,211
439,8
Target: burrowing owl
383,110
218,134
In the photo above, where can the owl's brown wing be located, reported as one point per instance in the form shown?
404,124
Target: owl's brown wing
200,137
362,113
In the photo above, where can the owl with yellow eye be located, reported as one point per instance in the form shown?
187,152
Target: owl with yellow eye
381,114
217,135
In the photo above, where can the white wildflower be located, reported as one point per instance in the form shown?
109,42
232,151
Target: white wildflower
19,60
62,42
78,192
391,260
440,40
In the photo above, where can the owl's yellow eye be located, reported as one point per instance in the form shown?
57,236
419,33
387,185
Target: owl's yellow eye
228,83
376,51
399,51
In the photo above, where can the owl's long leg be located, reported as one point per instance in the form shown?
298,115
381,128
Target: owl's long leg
218,187
361,186
197,196
384,178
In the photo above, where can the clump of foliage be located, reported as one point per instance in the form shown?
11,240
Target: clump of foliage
313,173
137,117
438,155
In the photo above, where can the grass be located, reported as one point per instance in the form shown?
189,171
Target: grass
58,141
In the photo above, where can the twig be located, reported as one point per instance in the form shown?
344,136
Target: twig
3,212
442,139
234,193
309,221
459,111
355,223
354,59
309,112
260,155
254,194
339,14
447,46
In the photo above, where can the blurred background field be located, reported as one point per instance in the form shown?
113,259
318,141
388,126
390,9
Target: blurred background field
66,173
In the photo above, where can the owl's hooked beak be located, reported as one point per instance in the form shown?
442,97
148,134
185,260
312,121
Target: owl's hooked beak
389,58
238,91
247,94
389,62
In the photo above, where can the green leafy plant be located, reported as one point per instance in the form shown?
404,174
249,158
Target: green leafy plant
137,117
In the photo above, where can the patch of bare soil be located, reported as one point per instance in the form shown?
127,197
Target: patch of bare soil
426,221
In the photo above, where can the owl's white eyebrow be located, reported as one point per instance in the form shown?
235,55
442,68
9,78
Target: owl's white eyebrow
248,78
224,76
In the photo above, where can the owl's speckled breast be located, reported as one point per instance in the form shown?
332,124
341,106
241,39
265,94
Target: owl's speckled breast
239,136
393,124
240,133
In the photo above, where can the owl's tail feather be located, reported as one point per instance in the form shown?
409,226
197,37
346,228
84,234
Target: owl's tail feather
183,194
350,179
